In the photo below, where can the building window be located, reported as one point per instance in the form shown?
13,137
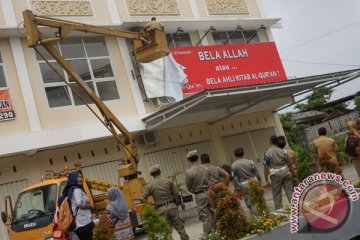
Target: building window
90,58
178,40
241,36
2,74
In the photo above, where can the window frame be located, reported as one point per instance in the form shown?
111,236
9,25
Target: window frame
172,43
228,34
89,60
2,65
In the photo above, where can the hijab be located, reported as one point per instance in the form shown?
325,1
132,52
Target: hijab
117,203
72,184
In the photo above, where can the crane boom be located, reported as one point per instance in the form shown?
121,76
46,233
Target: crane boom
148,47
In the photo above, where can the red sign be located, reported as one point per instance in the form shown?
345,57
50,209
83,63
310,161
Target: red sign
6,108
223,66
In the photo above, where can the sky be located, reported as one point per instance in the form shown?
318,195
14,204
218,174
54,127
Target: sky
317,37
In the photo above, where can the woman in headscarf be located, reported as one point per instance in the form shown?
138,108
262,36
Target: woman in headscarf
80,205
118,213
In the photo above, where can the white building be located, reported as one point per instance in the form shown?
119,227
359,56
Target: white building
53,128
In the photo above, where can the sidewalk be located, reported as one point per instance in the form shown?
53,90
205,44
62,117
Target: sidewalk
194,227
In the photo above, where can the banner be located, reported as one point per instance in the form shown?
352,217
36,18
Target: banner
223,66
6,108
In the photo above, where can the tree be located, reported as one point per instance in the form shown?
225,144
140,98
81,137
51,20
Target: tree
357,104
319,97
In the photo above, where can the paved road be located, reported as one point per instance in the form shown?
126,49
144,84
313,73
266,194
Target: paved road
194,227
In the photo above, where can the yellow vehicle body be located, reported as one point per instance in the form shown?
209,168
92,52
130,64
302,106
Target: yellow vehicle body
37,233
46,232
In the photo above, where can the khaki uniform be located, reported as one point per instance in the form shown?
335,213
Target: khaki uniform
216,173
154,25
276,159
293,162
163,192
243,170
328,151
197,180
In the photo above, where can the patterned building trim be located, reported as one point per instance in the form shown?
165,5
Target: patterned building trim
225,7
152,7
62,8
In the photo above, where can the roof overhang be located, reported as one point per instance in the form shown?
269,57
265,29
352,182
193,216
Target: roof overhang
212,106
229,24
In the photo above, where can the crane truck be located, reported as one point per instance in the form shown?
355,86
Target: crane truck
32,216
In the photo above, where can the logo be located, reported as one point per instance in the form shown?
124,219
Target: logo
29,225
324,199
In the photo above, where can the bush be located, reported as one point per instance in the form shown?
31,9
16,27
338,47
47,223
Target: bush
266,222
340,140
304,170
104,230
231,221
155,226
256,195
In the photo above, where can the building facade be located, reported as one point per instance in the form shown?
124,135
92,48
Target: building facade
50,126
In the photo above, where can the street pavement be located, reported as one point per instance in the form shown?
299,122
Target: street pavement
194,227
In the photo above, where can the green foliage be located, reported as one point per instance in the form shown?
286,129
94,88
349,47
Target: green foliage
155,226
317,98
304,169
256,196
340,140
231,221
357,104
104,230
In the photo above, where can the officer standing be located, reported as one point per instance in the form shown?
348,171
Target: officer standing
216,173
244,170
164,193
276,164
292,158
197,180
328,153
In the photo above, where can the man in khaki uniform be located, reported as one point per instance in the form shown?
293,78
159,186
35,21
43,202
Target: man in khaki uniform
164,192
153,25
328,152
217,174
244,170
276,164
197,180
354,153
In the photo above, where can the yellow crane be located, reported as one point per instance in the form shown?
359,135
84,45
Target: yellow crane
35,221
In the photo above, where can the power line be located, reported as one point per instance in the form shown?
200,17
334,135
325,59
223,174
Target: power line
321,63
321,36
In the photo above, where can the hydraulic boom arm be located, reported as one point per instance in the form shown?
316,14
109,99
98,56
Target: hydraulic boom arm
148,47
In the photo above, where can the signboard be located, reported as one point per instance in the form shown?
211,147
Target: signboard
223,66
6,108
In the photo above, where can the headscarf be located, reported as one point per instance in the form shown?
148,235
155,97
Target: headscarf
71,184
117,205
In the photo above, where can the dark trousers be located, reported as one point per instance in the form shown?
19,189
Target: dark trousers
85,232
